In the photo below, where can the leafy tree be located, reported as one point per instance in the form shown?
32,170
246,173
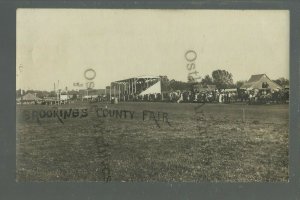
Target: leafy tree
207,80
52,94
179,85
238,84
222,79
192,79
282,82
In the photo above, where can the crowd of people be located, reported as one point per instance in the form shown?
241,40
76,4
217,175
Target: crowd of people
254,96
215,96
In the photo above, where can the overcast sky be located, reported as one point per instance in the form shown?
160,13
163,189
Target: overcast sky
59,44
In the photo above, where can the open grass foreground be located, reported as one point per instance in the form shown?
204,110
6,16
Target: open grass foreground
215,142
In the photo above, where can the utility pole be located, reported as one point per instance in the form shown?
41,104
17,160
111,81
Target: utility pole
58,94
119,92
162,96
20,82
110,92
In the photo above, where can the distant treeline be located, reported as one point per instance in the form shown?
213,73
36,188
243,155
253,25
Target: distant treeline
222,79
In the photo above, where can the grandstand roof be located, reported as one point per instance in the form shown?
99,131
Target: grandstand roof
138,77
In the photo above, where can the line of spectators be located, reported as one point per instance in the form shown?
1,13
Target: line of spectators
215,96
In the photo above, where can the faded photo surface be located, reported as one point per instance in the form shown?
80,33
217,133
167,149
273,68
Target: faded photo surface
152,95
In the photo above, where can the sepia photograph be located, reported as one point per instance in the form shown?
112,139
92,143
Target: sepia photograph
152,95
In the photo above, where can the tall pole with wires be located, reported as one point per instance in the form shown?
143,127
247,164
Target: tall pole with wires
58,94
110,92
20,81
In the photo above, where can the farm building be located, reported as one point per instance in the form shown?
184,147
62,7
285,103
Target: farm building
28,99
260,81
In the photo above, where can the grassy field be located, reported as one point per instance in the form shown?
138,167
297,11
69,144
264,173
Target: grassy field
229,143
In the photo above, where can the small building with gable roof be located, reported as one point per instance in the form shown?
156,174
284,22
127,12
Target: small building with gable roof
260,81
